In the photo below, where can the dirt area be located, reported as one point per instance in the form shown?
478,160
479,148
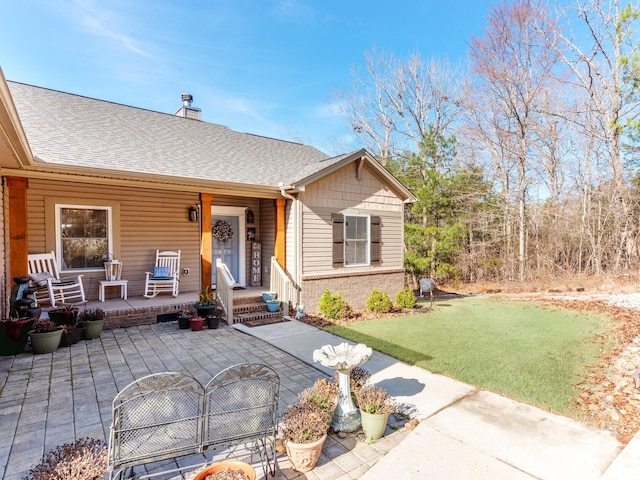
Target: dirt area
609,397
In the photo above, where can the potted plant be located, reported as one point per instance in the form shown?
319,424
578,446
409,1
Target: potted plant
227,470
273,305
375,407
213,321
266,296
71,334
65,315
92,319
14,333
45,336
305,424
196,323
206,304
183,319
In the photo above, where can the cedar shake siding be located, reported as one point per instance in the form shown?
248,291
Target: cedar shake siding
325,203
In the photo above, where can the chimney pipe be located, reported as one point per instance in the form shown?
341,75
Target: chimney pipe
186,110
187,99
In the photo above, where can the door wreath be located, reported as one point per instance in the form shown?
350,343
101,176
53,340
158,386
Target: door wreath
222,231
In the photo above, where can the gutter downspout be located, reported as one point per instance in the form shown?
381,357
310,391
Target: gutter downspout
296,213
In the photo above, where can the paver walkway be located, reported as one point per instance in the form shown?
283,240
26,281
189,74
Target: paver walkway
52,399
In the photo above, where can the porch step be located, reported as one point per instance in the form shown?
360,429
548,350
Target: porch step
252,311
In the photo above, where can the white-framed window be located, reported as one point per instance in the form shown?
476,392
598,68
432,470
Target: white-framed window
356,240
83,236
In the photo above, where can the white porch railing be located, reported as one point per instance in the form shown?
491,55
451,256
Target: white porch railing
284,286
224,289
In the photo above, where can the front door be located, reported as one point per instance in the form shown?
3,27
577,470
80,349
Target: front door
227,242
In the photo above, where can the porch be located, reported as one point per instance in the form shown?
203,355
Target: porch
139,310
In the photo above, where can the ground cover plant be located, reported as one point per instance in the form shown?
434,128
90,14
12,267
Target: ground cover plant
520,349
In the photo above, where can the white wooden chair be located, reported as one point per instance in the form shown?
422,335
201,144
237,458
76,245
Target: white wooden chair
165,277
43,273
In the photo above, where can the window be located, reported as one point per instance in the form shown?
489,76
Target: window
356,240
83,235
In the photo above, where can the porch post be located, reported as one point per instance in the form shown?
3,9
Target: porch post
280,243
205,240
18,238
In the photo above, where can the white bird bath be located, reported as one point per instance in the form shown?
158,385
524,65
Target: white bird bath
343,358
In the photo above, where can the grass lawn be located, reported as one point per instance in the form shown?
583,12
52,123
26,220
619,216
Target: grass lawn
518,349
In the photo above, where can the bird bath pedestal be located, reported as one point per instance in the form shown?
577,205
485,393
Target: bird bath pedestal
343,358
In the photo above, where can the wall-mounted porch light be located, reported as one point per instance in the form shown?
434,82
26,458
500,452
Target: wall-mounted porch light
193,213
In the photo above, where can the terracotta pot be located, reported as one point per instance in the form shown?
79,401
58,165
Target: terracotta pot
196,323
228,464
373,425
304,456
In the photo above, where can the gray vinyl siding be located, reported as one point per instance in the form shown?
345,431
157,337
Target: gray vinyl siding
147,220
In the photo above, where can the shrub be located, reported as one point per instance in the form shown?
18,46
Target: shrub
406,299
333,306
379,302
86,459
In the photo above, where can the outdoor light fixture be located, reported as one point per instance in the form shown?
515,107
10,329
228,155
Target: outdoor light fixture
193,213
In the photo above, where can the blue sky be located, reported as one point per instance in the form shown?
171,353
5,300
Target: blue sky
267,67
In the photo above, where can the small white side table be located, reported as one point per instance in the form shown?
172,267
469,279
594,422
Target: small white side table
113,283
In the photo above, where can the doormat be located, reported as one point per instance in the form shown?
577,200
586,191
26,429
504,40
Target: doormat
265,321
238,288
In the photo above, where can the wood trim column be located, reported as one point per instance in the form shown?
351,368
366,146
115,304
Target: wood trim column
206,266
281,233
18,236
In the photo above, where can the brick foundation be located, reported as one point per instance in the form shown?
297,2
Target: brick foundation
141,316
355,289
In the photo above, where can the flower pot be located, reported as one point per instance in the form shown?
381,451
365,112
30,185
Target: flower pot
71,336
373,425
183,322
45,342
213,322
14,335
92,329
206,310
227,464
62,316
266,296
196,323
304,456
273,305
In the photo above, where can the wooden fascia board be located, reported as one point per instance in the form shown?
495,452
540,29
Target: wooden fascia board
156,182
11,129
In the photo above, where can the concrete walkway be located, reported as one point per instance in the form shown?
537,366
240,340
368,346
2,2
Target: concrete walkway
468,433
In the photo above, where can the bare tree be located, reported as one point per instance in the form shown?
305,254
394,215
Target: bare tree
514,68
398,102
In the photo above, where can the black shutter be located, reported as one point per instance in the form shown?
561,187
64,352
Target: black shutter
338,239
374,250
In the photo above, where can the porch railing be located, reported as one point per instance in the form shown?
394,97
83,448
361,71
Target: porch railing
282,283
224,289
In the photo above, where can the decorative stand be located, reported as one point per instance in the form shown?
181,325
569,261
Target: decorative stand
343,358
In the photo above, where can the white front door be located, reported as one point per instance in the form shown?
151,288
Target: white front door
228,241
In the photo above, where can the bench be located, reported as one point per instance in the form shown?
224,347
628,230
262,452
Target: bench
168,415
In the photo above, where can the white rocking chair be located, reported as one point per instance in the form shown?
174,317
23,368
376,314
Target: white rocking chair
43,273
165,276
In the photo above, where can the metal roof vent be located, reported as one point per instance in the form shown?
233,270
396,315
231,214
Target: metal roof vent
186,110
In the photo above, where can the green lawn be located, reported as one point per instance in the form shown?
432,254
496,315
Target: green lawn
518,349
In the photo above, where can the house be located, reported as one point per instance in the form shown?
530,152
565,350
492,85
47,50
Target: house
91,179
